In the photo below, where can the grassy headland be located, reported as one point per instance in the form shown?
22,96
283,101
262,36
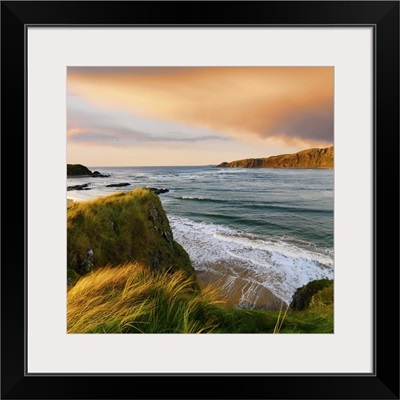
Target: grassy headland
310,158
120,228
78,170
127,275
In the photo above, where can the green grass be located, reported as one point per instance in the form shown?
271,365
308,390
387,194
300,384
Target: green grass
124,227
133,299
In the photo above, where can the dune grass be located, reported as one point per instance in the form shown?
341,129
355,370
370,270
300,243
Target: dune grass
131,298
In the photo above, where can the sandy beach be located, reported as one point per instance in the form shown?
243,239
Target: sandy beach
238,287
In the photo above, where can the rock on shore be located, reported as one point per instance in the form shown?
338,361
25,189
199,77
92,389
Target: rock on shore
303,295
118,184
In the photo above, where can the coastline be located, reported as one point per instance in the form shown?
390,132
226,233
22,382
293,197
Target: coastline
231,291
205,224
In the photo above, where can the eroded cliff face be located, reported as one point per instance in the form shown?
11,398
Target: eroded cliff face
310,158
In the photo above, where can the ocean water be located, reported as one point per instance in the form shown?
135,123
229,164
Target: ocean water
268,228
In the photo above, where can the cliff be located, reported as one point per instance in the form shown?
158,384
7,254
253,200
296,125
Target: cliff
121,228
310,158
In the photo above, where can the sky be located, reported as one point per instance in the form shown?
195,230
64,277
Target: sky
162,116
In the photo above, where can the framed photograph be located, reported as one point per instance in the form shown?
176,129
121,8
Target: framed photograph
208,200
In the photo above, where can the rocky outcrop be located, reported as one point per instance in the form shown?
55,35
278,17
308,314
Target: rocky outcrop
118,184
158,191
303,295
97,174
81,170
78,170
85,186
311,158
120,228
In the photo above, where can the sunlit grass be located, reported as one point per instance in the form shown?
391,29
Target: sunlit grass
132,299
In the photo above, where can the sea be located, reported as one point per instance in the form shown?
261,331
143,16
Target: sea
257,234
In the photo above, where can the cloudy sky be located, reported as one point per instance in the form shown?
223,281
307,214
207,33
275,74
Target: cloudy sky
137,116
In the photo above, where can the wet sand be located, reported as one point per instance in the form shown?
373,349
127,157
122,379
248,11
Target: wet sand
238,287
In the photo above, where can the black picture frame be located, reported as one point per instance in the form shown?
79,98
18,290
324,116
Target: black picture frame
383,383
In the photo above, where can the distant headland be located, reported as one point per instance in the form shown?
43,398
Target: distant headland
81,170
310,158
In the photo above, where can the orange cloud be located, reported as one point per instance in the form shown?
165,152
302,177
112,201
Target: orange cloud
289,103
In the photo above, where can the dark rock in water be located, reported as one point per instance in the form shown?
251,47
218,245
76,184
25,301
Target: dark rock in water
158,191
303,296
97,174
79,187
118,184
